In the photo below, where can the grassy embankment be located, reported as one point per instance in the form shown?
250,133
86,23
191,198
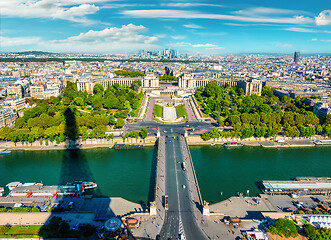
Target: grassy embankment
22,231
181,111
158,111
134,112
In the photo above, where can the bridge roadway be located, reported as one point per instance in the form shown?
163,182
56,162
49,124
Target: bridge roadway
183,213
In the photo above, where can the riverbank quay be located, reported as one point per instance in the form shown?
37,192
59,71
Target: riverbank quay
251,212
288,143
78,144
250,208
192,140
256,142
85,210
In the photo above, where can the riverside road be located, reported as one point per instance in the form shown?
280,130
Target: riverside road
183,213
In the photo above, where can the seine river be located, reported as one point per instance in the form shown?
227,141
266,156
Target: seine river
127,173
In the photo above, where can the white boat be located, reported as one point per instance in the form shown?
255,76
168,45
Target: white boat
2,190
4,151
233,144
13,185
39,190
323,142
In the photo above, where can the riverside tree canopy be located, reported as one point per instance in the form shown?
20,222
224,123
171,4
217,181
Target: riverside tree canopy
74,114
259,116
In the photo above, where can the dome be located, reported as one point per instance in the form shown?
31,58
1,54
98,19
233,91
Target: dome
113,224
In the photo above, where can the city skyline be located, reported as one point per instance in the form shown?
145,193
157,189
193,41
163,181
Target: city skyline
204,27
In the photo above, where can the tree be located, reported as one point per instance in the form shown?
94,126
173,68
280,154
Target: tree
57,140
79,101
143,133
135,85
20,122
310,231
247,133
284,227
134,134
127,105
327,120
119,123
4,229
35,209
265,108
98,89
267,91
206,136
214,133
62,137
260,132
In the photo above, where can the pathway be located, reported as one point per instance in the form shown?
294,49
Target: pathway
189,111
150,109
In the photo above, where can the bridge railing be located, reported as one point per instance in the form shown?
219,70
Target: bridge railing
193,170
160,154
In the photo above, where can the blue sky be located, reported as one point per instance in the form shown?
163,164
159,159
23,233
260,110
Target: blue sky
195,26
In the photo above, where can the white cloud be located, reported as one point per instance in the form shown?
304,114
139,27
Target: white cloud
186,44
109,40
71,10
127,33
192,5
266,11
18,41
321,40
194,26
180,44
123,5
177,37
295,29
324,18
284,45
207,45
182,14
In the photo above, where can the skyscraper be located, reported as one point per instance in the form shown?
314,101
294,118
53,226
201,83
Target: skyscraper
296,57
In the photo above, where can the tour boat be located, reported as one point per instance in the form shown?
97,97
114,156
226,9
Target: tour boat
233,144
13,185
4,151
29,190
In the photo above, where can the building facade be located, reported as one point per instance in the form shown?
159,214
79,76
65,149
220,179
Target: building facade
15,90
16,103
7,117
37,91
188,81
296,58
150,80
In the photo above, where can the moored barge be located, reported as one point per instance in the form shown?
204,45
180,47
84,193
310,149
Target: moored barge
39,190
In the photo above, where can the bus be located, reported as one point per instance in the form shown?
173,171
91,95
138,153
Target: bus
166,207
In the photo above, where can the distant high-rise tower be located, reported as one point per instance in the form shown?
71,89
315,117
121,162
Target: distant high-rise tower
296,57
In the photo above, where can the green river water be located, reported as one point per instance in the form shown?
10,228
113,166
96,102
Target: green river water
221,172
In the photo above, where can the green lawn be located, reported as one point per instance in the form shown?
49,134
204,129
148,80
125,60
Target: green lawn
158,111
23,231
181,111
134,112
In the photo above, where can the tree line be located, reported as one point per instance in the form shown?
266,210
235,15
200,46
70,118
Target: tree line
90,115
259,116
